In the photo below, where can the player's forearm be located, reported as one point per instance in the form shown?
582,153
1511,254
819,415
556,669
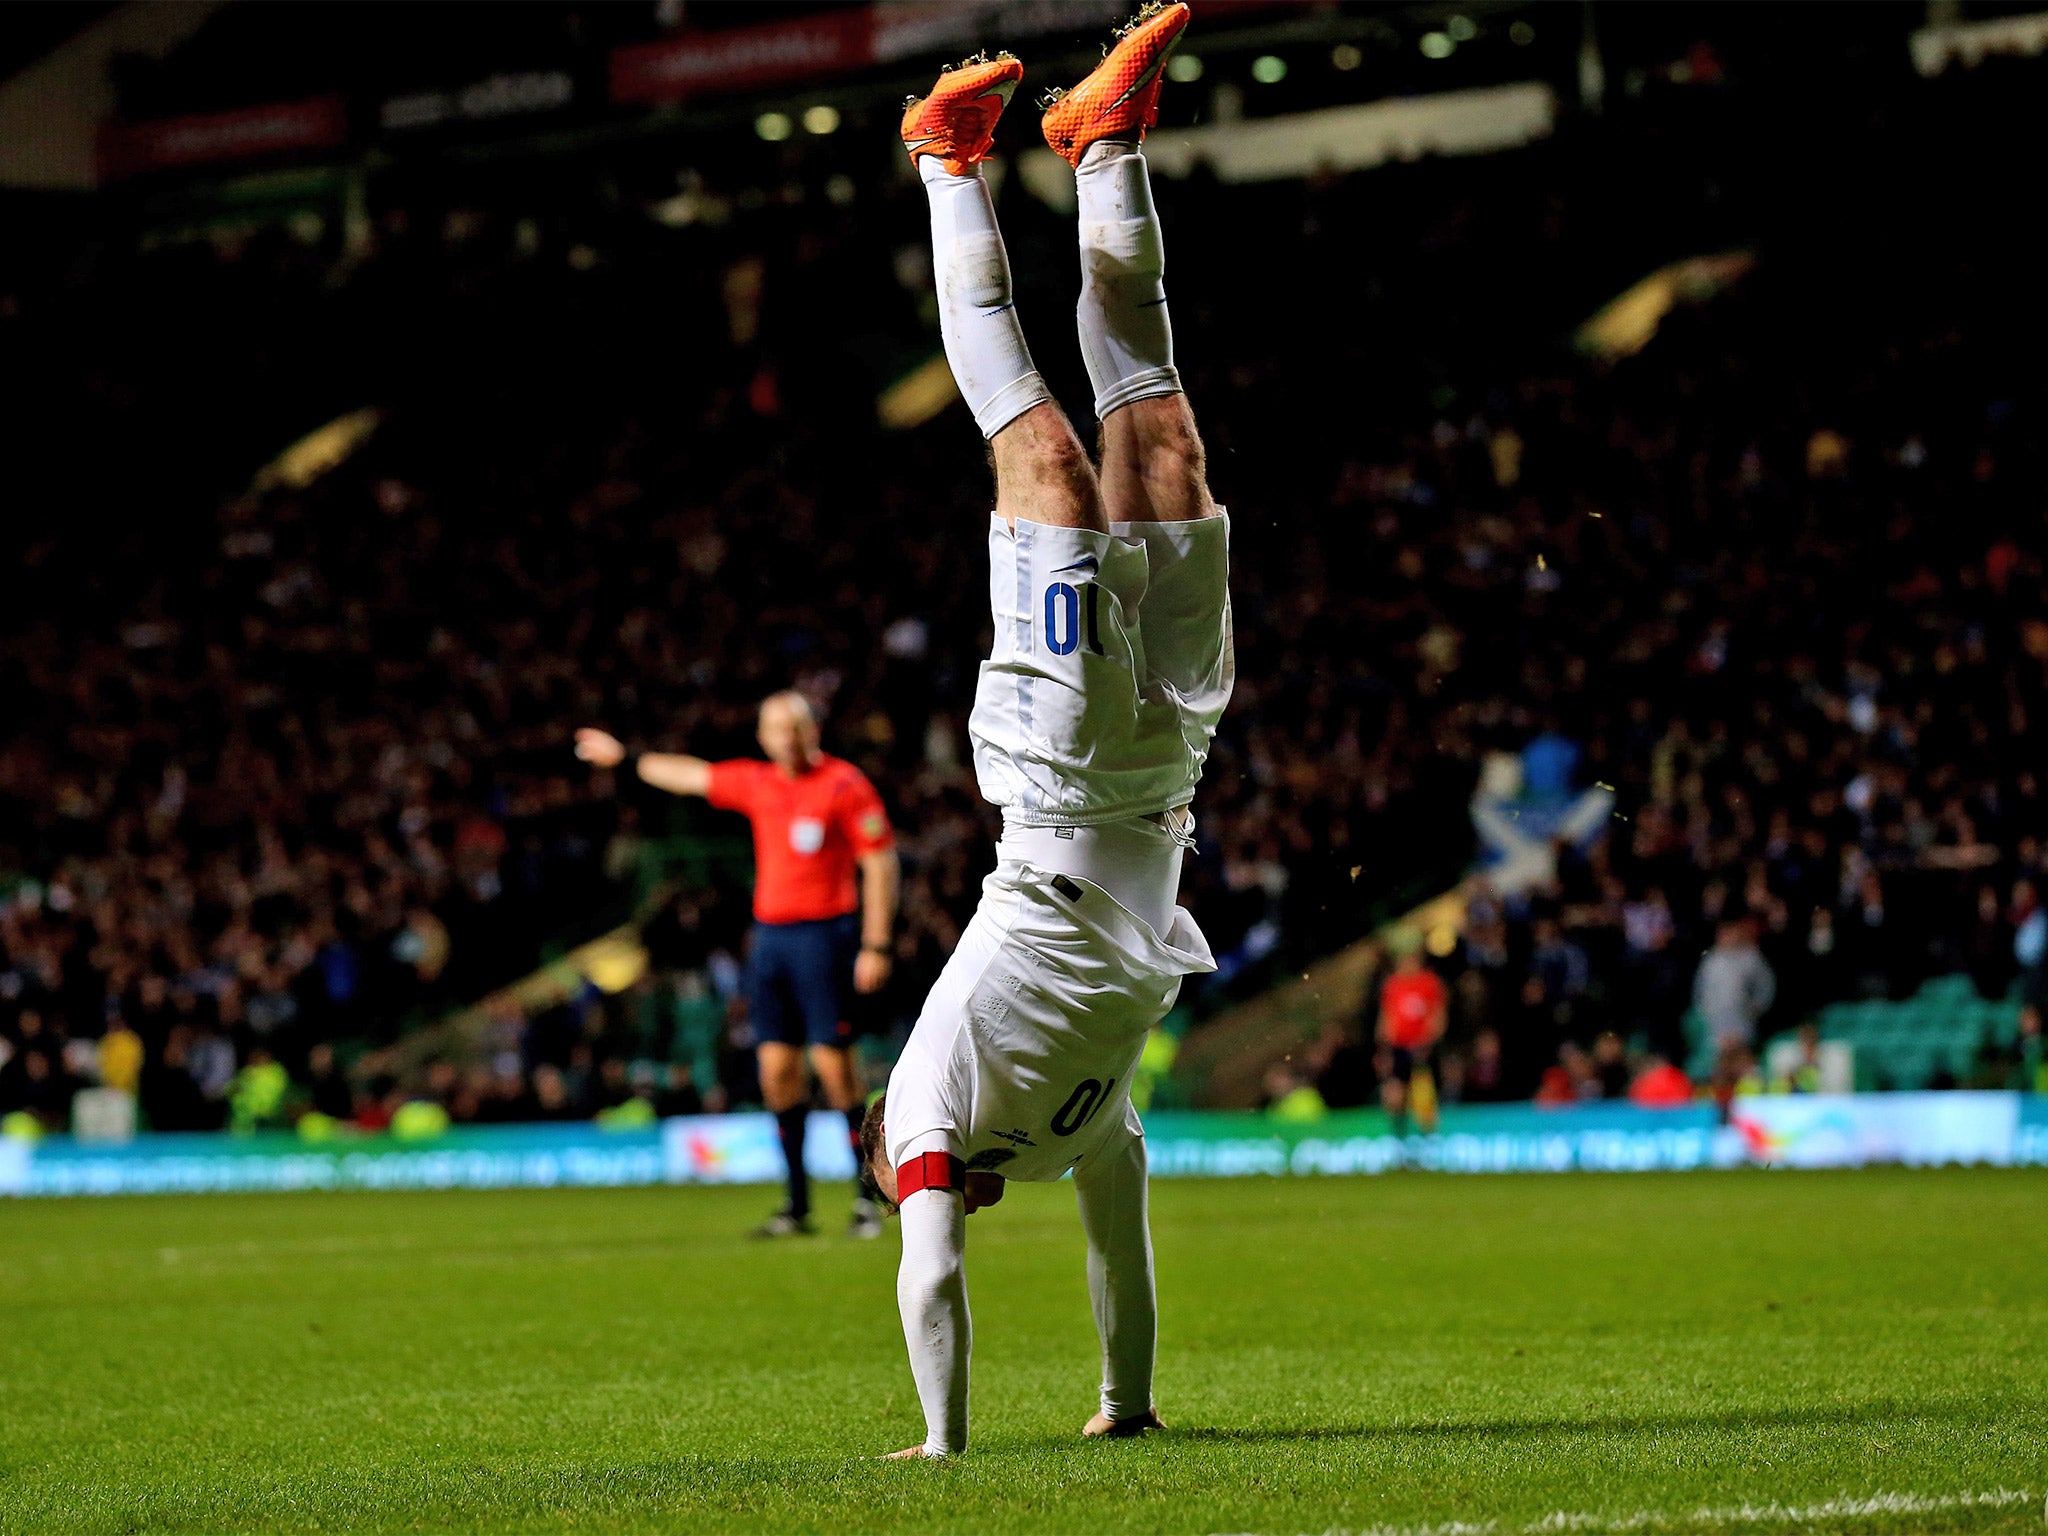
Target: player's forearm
674,771
880,881
1112,1191
931,1293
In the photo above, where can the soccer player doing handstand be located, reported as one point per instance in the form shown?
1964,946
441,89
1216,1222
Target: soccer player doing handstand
1092,719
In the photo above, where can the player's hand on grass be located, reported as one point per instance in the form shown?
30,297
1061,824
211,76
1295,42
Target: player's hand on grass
871,968
912,1453
601,749
1102,1427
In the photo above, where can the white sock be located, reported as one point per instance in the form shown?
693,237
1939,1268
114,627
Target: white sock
984,342
931,1295
1113,1196
1126,337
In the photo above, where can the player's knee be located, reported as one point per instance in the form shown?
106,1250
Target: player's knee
1062,461
1061,482
1043,475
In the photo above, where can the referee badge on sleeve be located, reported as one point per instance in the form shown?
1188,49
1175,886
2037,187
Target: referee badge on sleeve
806,834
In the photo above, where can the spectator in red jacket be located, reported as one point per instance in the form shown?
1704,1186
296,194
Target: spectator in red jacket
1413,1009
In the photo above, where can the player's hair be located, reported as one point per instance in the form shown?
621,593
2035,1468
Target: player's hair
871,1150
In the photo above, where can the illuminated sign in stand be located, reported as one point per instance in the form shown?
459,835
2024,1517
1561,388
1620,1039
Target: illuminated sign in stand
1917,1129
1794,1131
744,1149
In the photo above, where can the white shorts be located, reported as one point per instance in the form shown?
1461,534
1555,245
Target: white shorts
1021,1061
1112,663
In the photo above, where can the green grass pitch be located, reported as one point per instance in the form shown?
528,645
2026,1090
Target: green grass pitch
1748,1351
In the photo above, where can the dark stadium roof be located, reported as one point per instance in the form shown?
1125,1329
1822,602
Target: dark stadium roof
31,28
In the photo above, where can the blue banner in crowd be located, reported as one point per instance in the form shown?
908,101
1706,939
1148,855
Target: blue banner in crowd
1797,1131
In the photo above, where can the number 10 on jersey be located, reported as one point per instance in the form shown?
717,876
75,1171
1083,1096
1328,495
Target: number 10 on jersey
1065,612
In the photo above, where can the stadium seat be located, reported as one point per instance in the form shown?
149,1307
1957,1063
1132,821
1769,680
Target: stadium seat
1944,1027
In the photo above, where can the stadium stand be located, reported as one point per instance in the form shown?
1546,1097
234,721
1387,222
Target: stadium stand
288,767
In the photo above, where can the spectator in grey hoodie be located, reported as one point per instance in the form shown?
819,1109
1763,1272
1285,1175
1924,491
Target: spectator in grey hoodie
1735,986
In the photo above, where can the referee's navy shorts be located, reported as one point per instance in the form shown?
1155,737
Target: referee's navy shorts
798,979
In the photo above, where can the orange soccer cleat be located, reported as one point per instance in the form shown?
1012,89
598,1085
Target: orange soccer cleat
958,120
1120,99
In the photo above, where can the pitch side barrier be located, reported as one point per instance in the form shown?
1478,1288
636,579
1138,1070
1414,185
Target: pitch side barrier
1797,1131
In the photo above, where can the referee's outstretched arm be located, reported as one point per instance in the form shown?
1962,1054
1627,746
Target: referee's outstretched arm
675,772
881,879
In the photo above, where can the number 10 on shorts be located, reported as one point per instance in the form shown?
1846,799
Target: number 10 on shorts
1087,1097
1064,615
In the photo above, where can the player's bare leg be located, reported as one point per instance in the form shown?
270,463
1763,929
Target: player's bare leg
948,134
1043,474
1153,469
1042,471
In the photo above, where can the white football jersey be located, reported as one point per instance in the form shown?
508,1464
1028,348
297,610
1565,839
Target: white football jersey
1094,713
1022,1058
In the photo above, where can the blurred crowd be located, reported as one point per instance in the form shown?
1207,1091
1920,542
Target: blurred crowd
287,769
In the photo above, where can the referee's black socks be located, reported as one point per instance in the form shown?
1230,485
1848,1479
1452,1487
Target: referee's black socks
789,1124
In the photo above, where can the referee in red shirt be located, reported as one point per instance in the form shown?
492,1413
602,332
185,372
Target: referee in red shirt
816,819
